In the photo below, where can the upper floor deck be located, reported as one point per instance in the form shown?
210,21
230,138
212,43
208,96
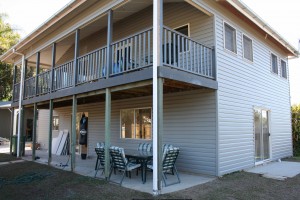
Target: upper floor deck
187,53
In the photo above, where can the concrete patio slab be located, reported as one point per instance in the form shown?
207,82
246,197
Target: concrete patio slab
277,170
87,168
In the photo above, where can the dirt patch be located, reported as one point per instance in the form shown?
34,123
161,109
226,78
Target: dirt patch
6,157
29,180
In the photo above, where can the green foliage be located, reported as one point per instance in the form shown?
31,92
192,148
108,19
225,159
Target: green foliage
8,37
296,129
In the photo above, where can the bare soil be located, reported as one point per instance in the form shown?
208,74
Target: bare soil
29,180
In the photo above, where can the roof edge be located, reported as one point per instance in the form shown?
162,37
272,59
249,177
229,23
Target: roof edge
45,25
252,16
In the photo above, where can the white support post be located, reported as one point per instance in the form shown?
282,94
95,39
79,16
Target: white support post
20,104
157,61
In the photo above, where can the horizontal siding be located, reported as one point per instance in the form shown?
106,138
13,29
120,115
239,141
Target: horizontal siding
5,122
42,130
185,126
175,15
42,135
242,86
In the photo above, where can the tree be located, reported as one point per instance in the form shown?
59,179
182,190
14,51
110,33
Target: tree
296,129
8,38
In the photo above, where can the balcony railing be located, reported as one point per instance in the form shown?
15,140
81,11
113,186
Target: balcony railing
63,76
43,83
16,95
91,66
132,53
29,87
181,52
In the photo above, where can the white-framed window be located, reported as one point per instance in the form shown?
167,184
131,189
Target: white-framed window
283,69
136,123
229,38
274,63
247,48
55,123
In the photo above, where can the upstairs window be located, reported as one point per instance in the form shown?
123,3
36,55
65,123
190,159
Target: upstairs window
248,48
274,63
283,69
229,38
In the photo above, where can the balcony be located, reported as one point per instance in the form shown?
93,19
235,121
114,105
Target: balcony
129,54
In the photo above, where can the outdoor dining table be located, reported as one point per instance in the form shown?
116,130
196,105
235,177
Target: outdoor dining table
142,157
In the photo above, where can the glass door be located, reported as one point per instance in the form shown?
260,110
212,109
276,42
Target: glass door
261,135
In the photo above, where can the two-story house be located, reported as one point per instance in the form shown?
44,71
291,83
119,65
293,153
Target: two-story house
208,76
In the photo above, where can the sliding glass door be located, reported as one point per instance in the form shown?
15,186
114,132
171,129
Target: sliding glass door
262,135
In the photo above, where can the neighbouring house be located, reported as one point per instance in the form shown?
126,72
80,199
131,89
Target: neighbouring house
5,119
208,76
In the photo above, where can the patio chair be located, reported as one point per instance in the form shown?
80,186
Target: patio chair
168,165
145,147
100,162
120,162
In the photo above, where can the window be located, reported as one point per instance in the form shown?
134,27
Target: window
136,123
274,64
229,38
183,29
248,49
55,123
283,69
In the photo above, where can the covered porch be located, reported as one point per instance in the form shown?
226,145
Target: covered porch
189,123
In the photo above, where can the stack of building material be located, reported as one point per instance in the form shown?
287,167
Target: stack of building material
60,144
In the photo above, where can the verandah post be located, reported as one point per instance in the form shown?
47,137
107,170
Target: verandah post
52,66
107,130
76,54
108,92
73,132
11,128
157,96
109,41
34,130
50,131
37,71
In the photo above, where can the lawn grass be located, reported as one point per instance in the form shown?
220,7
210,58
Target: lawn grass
30,180
292,159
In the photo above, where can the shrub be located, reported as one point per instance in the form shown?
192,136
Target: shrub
296,129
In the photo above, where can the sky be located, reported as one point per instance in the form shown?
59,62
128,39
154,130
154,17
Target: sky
283,16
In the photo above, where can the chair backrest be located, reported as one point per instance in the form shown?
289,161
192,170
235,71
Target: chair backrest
145,147
118,157
169,158
101,154
167,146
100,144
